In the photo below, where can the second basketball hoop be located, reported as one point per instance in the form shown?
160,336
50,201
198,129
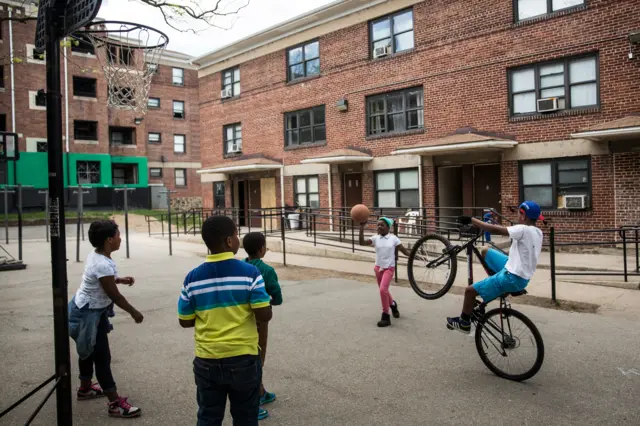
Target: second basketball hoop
129,54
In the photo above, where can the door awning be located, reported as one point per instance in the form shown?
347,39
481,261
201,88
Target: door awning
457,143
241,166
621,129
339,156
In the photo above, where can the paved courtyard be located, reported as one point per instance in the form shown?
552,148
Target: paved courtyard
327,361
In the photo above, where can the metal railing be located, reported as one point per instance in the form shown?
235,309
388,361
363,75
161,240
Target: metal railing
629,239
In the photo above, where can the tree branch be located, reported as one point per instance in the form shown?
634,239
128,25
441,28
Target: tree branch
181,14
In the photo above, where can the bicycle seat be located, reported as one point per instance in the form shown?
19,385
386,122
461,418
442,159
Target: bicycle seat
516,293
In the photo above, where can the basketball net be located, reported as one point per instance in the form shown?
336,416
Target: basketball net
129,55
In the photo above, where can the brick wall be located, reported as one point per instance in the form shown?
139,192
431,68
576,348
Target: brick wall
31,123
627,188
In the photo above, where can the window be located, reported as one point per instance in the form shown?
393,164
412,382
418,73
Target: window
155,172
231,81
85,130
122,135
154,137
121,55
306,192
37,56
83,86
573,81
305,126
153,103
548,182
397,188
395,32
303,61
81,44
3,122
526,9
178,76
41,98
181,177
179,143
124,174
232,138
42,146
395,112
218,195
88,172
178,109
1,77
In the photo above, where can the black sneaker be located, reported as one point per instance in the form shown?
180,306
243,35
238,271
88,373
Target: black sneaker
394,309
459,325
385,321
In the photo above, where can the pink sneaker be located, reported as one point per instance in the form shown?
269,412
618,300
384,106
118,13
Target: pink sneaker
121,408
90,393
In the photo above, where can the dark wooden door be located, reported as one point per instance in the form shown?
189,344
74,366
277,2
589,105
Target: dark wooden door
486,186
255,202
352,189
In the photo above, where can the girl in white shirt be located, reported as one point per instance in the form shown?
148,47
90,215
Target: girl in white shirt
385,244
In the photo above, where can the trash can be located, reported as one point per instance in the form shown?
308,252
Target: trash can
294,220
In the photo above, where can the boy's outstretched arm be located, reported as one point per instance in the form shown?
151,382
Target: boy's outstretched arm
494,229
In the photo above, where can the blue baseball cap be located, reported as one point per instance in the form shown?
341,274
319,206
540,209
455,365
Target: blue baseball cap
531,210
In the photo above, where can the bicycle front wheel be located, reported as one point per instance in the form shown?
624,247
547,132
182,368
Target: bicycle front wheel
509,344
432,266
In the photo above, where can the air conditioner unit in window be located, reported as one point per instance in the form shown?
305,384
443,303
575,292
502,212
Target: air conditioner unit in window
379,52
236,148
548,105
575,201
226,93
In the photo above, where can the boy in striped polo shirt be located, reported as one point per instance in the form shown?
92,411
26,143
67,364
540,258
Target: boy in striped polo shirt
223,298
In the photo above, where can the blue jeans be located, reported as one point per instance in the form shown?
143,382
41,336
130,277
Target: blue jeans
237,378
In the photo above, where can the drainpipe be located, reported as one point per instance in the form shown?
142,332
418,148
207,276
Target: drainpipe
421,200
330,200
13,97
13,88
66,110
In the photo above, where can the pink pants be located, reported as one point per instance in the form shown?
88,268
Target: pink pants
384,277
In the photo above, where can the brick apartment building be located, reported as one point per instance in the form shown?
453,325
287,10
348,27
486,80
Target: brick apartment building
104,147
435,104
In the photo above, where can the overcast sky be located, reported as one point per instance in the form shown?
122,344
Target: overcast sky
258,15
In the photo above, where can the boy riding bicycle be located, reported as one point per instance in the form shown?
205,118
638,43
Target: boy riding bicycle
513,272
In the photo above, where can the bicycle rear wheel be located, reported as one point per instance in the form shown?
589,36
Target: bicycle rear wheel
432,266
509,344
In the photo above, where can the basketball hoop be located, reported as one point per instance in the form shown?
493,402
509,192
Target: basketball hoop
129,54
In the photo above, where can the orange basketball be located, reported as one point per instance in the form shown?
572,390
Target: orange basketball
360,213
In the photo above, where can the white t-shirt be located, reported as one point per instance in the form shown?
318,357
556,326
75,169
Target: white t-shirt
385,250
91,292
525,250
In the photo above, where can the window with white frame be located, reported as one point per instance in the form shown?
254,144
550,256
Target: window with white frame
155,172
398,188
572,81
177,76
307,192
179,144
549,182
526,9
153,103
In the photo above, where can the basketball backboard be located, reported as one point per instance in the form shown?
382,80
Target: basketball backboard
9,146
77,13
